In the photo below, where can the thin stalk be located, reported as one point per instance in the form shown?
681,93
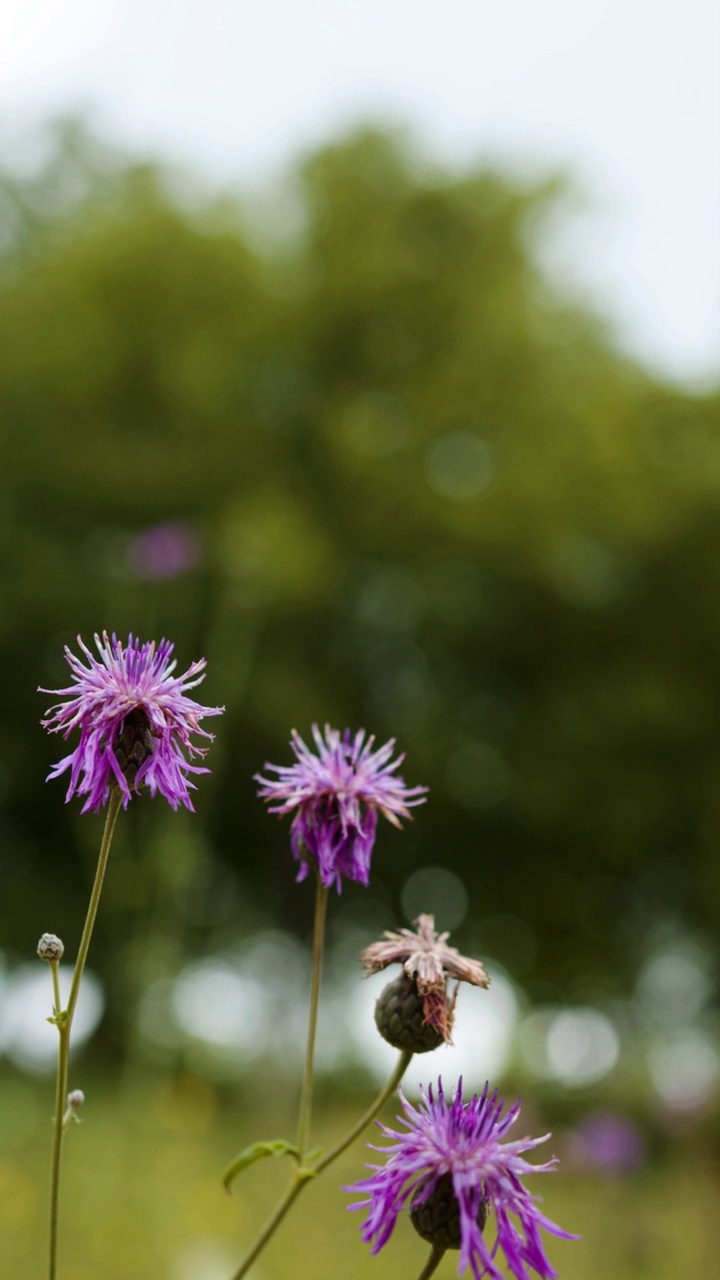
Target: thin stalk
303,1134
392,1084
113,810
432,1263
64,1024
272,1224
58,1133
57,1002
303,1176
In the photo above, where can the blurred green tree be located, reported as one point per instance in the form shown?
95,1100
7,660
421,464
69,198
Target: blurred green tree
430,495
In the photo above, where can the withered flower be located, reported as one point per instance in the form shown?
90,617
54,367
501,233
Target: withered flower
428,961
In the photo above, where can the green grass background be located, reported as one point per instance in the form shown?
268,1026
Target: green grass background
142,1197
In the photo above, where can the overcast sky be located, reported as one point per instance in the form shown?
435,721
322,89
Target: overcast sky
627,91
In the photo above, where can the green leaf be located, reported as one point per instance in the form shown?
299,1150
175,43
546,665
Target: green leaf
258,1151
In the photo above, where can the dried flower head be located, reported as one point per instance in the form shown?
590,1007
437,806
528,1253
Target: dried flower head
135,720
338,794
428,961
451,1163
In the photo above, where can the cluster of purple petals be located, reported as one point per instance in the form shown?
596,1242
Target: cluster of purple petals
337,794
128,678
465,1140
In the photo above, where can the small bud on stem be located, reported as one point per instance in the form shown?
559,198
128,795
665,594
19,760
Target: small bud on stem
75,1099
50,948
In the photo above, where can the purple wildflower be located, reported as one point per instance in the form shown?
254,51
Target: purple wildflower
337,794
605,1140
457,1149
163,551
135,721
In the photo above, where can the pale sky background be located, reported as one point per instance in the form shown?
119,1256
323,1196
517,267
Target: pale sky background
625,91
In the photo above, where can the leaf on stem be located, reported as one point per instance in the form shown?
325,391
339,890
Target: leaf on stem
258,1151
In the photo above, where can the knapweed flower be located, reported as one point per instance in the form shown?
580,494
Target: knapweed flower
451,1163
135,720
427,963
338,794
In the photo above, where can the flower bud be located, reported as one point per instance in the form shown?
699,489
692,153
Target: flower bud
50,948
73,1103
400,1017
437,1218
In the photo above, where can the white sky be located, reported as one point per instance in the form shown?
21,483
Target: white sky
626,90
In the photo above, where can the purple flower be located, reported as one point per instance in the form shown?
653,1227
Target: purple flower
135,721
454,1168
337,794
607,1141
163,551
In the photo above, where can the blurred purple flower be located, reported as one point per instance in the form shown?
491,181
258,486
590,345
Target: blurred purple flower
605,1140
135,722
163,551
337,794
450,1162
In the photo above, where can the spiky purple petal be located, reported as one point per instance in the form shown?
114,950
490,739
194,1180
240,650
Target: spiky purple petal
337,795
465,1140
126,679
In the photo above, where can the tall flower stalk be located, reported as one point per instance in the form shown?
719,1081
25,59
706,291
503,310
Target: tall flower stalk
335,796
303,1133
135,722
63,1020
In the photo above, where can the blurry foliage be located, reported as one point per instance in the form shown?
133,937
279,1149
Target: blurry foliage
154,1207
432,499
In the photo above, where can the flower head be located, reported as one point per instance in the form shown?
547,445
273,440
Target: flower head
135,721
428,961
452,1164
337,794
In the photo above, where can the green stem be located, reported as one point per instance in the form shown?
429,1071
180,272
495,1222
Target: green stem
392,1084
272,1224
303,1176
57,1002
432,1263
58,1132
113,810
64,1025
321,896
